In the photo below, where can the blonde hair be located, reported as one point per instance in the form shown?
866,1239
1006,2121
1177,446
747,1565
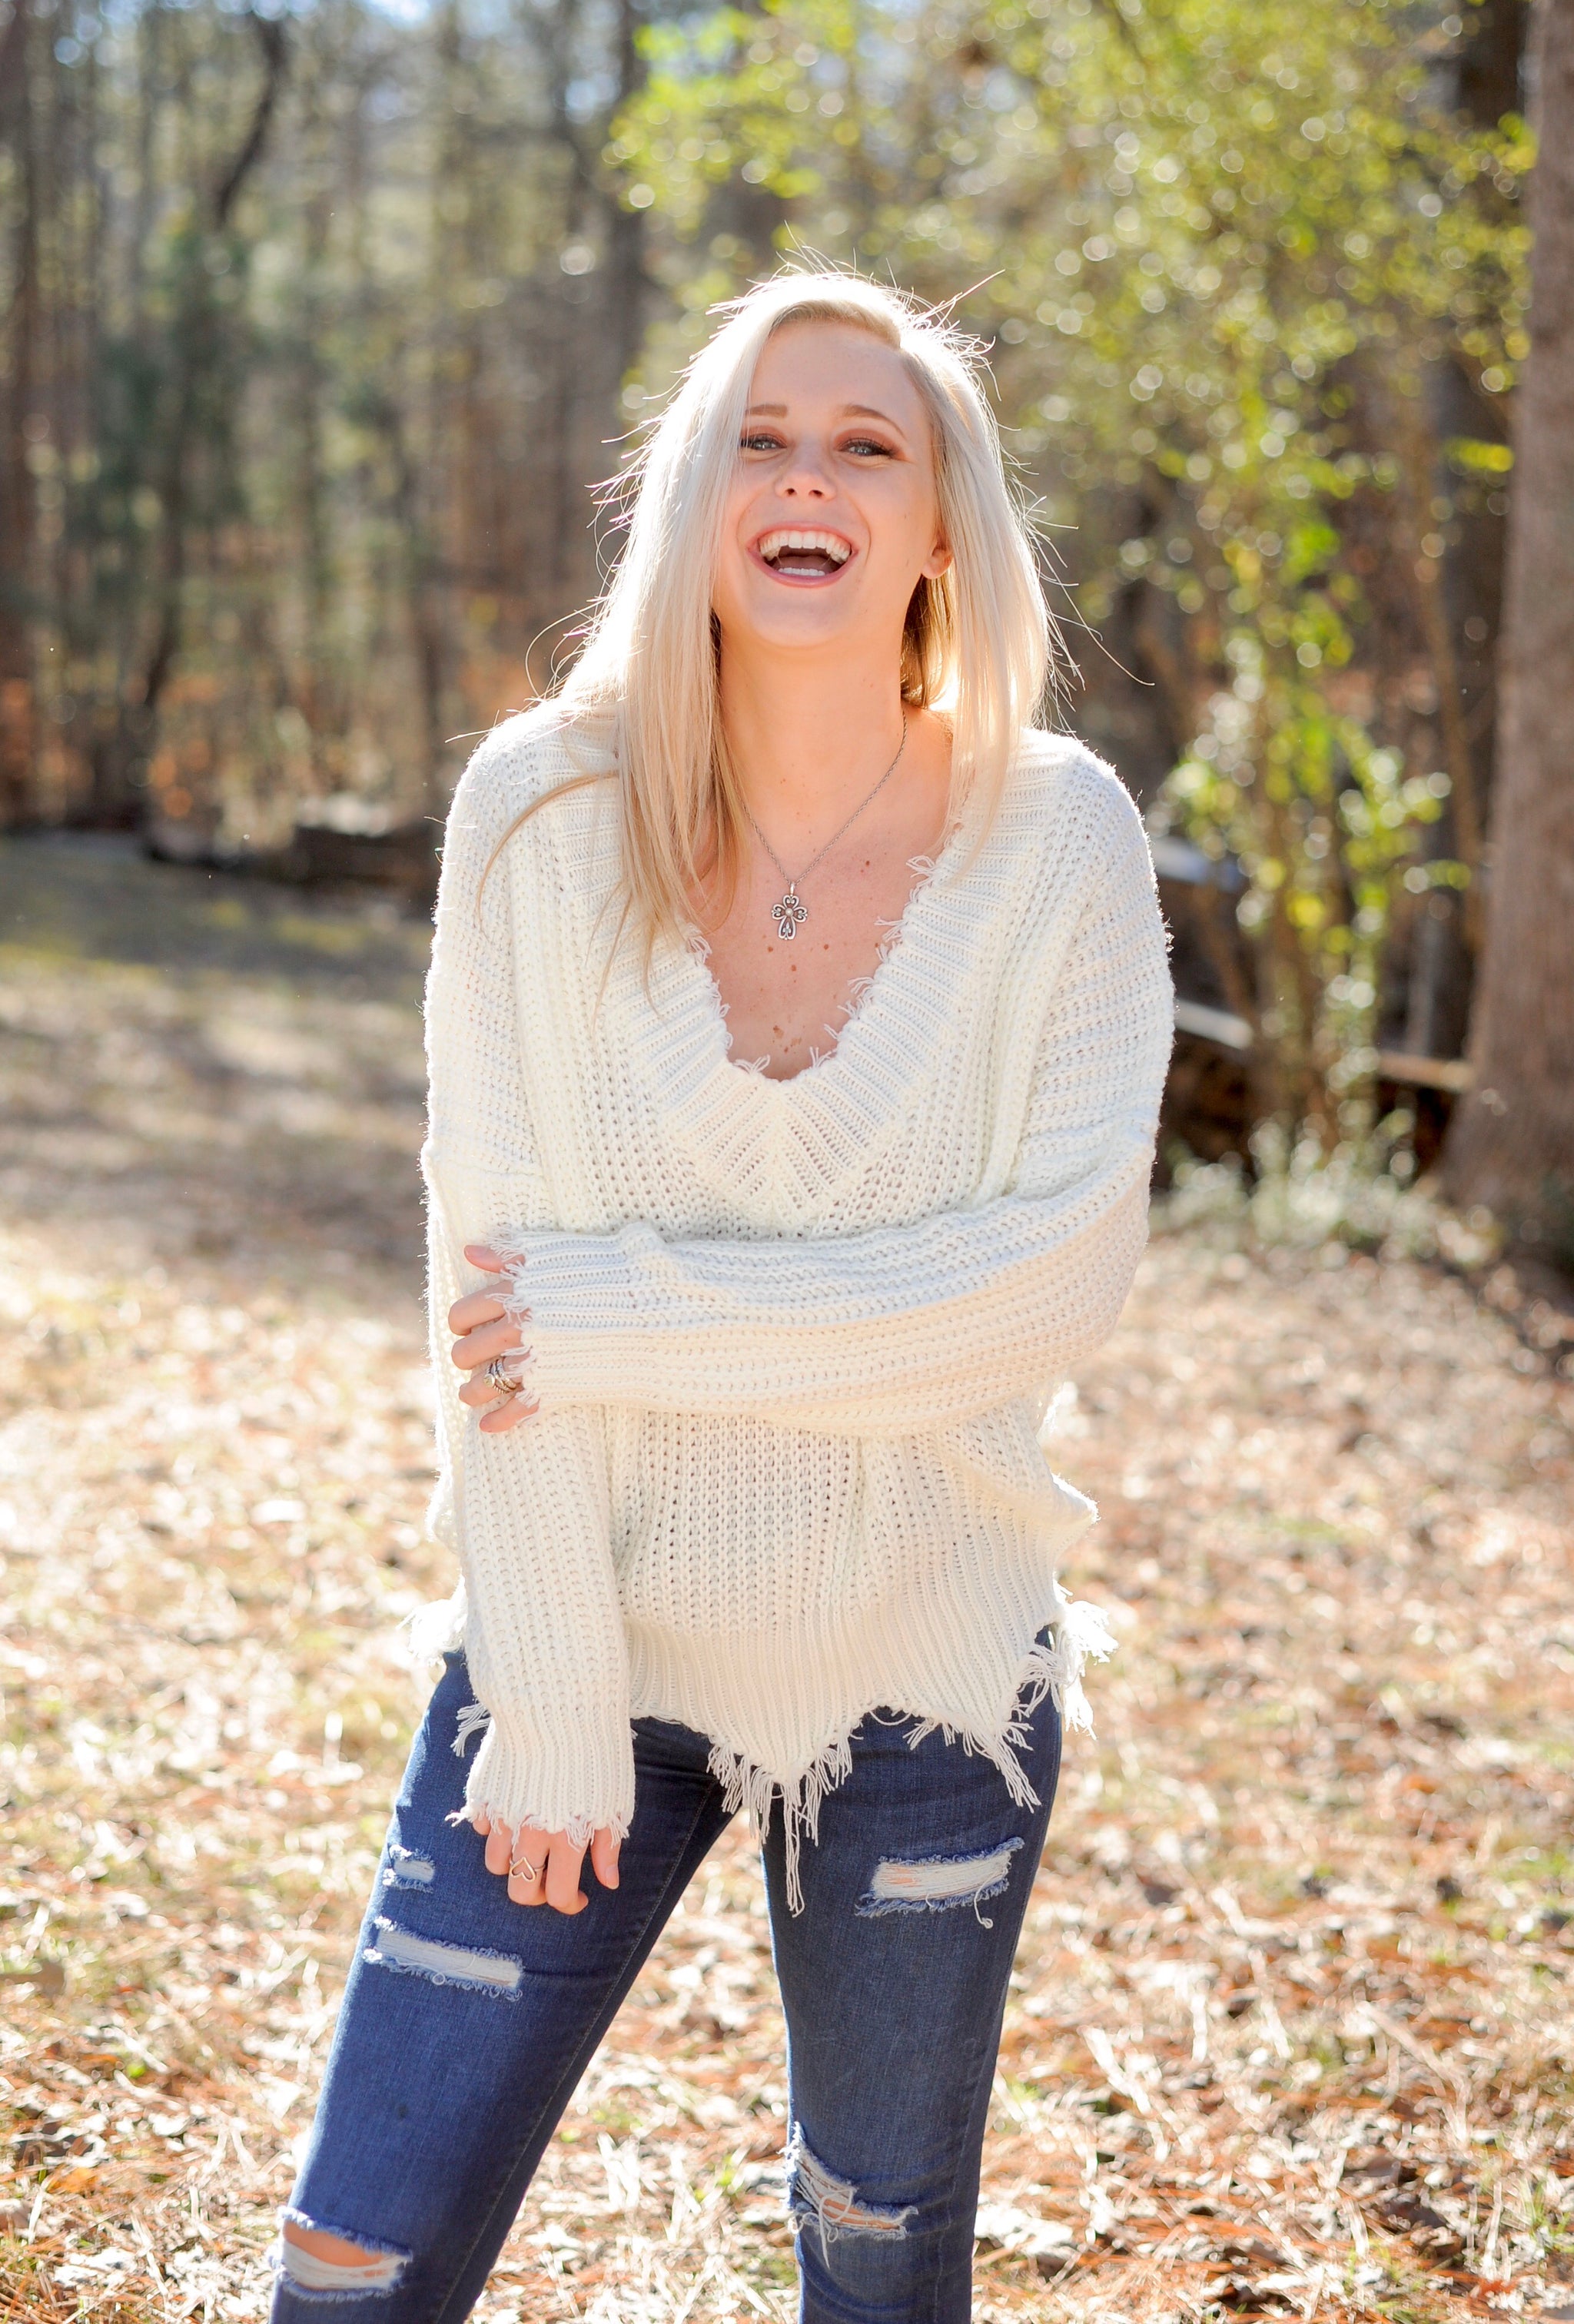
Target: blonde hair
979,643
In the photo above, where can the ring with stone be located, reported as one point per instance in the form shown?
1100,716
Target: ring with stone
504,1382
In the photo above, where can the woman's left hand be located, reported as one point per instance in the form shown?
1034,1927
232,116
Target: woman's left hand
485,1331
542,1868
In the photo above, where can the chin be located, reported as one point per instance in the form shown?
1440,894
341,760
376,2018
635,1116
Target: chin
805,621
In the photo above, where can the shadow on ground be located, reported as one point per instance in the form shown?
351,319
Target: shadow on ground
199,1063
1290,2030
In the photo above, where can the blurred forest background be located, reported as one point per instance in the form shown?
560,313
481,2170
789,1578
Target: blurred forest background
323,321
318,324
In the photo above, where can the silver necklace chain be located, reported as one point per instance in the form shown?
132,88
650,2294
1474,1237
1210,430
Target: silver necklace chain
791,912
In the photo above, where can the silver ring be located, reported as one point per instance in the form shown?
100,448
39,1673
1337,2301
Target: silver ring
524,1866
504,1383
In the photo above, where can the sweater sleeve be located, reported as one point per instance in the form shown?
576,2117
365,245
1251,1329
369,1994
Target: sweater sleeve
900,1329
527,1509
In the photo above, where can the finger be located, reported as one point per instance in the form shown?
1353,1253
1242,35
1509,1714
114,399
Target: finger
475,1307
490,1261
480,1391
499,1845
468,1314
508,1415
563,1863
478,1347
488,1340
481,1821
527,1866
604,1857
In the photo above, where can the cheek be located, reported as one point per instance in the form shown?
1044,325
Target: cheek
731,566
907,536
901,502
742,518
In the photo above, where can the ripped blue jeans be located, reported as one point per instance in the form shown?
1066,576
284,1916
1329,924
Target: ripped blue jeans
469,2021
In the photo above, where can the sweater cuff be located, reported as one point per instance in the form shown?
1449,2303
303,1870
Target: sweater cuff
588,1280
569,1295
568,1769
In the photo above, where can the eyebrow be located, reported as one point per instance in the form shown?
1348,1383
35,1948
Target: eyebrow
849,411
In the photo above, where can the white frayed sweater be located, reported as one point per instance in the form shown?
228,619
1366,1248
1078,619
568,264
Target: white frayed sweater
793,1342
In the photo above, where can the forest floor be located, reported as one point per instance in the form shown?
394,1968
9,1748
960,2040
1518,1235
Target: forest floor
1292,2031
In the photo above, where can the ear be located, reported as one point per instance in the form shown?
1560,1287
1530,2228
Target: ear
939,559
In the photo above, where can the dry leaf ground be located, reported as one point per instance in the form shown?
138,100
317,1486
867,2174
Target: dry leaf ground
1291,2031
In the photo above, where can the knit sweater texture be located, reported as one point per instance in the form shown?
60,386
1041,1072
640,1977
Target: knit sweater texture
793,1342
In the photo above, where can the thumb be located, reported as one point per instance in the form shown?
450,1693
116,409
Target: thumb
604,1846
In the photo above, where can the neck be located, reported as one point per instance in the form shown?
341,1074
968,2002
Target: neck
807,745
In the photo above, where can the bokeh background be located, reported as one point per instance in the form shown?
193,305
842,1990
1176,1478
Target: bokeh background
319,327
325,323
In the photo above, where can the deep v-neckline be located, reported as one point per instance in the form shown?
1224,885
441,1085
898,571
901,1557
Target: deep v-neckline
862,991
780,1153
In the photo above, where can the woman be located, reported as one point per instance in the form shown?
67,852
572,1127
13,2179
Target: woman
770,1195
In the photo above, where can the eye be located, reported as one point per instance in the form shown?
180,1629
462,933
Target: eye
759,439
868,447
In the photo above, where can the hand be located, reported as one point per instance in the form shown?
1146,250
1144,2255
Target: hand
553,1861
485,1331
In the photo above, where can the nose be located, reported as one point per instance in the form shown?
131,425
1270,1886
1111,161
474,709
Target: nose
804,476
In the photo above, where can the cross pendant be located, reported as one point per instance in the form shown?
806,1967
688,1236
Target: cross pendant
789,915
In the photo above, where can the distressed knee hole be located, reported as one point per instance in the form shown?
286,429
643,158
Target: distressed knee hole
935,1883
480,1972
833,2204
324,2261
406,1869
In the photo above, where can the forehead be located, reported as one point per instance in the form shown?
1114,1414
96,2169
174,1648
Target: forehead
825,365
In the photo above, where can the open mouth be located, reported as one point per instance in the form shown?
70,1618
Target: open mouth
804,556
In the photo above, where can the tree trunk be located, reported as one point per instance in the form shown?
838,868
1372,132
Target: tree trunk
1459,599
17,708
1511,1145
117,797
1489,68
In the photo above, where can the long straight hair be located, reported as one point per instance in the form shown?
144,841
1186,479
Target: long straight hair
978,644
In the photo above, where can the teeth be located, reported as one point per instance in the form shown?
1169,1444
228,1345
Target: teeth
775,543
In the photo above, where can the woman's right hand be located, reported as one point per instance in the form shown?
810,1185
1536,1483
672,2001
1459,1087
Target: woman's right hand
542,1868
485,1331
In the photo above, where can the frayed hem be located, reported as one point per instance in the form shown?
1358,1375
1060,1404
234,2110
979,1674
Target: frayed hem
437,1628
516,1306
745,1785
578,1832
1080,1633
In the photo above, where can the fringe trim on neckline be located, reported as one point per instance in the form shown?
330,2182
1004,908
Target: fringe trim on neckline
926,868
1082,1634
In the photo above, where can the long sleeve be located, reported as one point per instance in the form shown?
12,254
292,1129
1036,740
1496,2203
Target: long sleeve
528,1508
899,1329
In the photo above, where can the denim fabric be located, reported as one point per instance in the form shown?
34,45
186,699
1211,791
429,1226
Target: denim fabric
467,2021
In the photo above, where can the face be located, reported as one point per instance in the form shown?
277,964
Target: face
834,516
